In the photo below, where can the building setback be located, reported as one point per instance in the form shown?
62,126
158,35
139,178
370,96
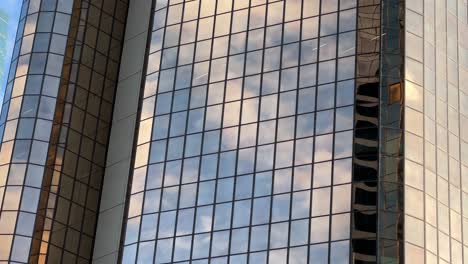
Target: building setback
236,131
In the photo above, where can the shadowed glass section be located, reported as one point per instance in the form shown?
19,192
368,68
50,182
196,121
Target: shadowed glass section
392,144
366,134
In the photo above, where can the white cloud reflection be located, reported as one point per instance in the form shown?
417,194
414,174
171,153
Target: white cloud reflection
255,112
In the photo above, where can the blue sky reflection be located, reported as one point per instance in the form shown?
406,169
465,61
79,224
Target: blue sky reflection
9,15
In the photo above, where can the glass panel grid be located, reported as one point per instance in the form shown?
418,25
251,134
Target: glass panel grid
26,123
54,127
246,117
435,118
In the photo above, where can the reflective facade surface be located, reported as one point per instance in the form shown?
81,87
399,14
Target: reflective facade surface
9,17
236,131
366,163
245,134
54,127
390,246
436,137
23,152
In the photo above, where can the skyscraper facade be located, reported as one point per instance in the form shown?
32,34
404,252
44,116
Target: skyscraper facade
55,125
236,131
436,135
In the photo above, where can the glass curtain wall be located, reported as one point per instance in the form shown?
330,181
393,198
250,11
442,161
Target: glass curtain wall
436,114
26,121
366,162
83,117
245,137
54,128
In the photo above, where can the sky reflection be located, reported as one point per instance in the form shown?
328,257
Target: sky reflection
9,15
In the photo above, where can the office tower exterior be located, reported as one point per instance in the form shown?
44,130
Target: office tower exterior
436,135
55,124
236,131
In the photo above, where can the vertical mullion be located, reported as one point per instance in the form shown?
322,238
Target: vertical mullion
337,43
460,139
351,215
185,133
319,17
295,133
209,61
436,154
424,204
226,72
239,126
257,132
448,131
156,101
276,133
195,207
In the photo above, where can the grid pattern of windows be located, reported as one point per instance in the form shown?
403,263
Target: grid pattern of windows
55,127
245,134
26,121
436,118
